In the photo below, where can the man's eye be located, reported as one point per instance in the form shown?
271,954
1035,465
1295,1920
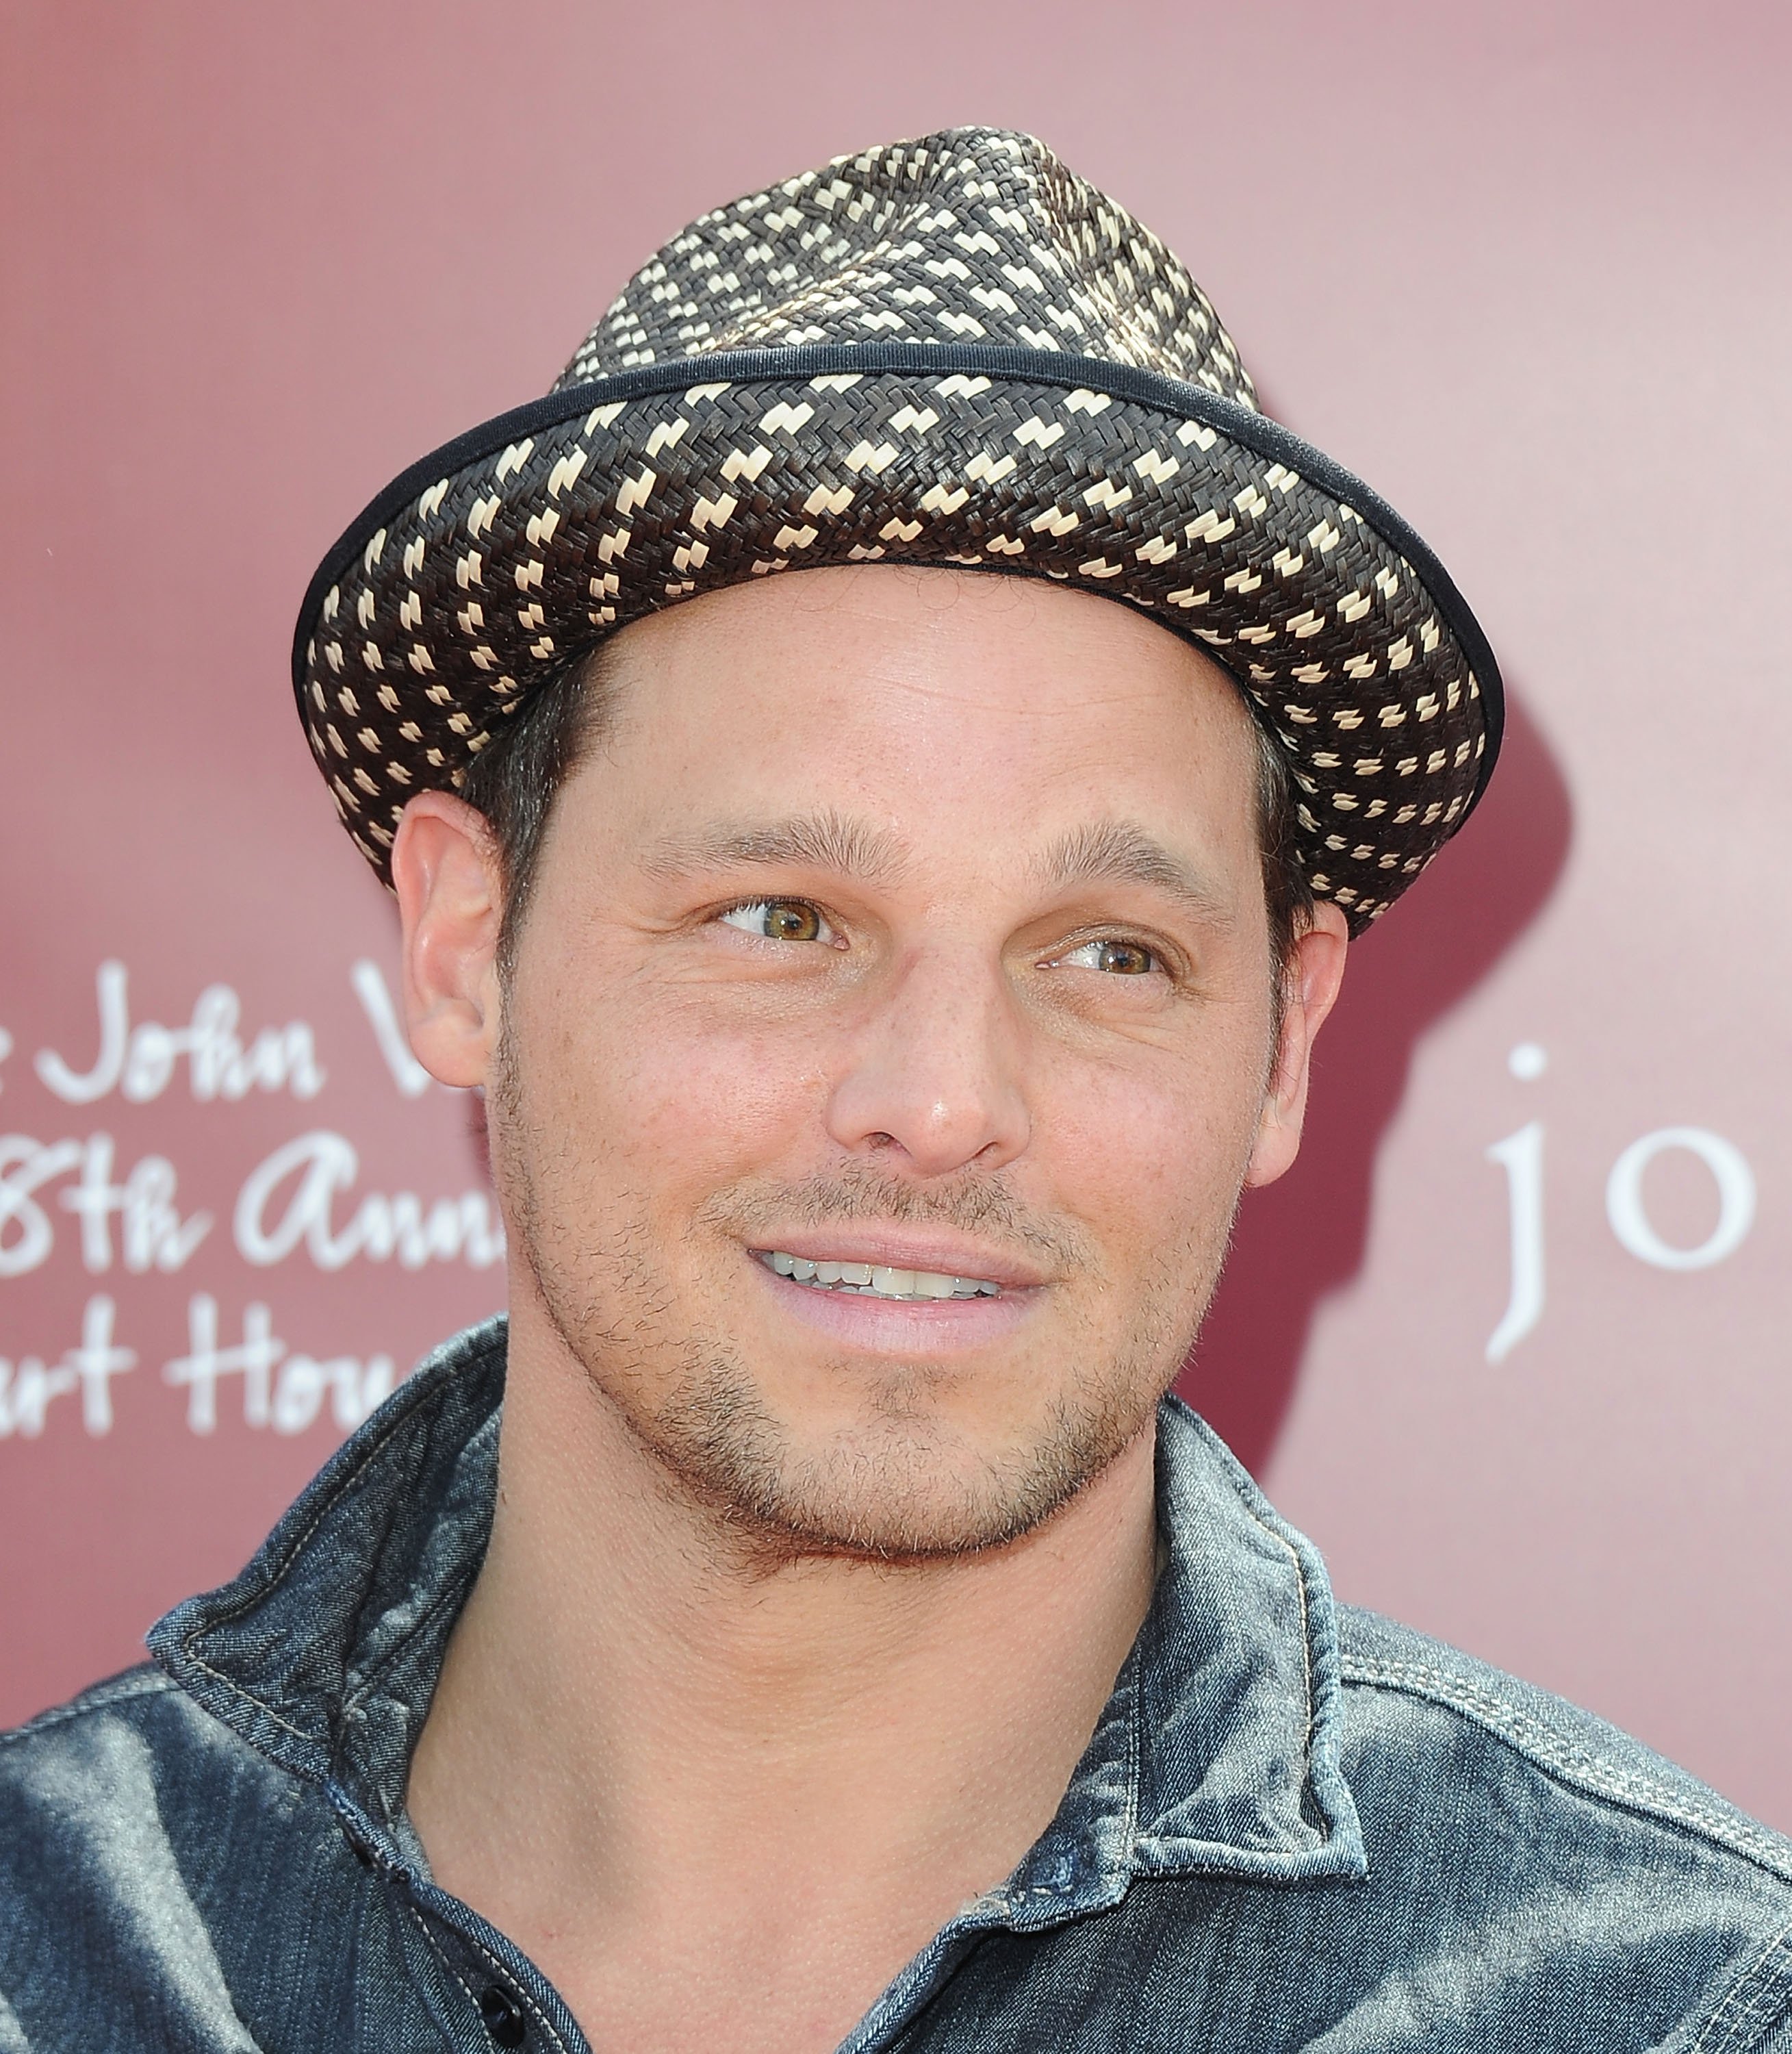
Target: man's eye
1122,958
779,920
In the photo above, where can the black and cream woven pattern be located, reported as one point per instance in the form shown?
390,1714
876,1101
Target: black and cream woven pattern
950,351
975,236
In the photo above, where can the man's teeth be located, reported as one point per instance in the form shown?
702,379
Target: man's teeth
874,1280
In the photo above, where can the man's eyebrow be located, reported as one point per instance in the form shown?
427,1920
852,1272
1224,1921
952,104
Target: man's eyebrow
825,841
1120,851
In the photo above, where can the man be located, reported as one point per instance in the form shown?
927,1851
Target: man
884,976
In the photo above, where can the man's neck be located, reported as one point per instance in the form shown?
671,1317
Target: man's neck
721,1803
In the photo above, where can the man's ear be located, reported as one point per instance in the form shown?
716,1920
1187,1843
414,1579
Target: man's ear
1315,970
450,891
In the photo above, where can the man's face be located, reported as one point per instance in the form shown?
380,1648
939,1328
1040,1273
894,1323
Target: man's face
886,1044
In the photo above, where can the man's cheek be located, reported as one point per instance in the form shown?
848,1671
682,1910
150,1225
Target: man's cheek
731,1102
1132,1155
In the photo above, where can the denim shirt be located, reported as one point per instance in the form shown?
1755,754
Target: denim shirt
1295,1825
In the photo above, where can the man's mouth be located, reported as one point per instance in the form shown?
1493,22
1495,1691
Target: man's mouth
874,1280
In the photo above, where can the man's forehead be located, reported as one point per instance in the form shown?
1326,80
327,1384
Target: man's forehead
1019,673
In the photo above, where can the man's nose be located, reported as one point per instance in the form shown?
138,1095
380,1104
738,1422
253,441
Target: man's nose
935,1072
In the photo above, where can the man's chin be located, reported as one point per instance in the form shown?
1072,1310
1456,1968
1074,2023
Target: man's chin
901,1482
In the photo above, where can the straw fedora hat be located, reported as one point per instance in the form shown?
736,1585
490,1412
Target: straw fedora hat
949,350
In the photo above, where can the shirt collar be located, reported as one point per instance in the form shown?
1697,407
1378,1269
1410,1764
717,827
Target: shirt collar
1217,1752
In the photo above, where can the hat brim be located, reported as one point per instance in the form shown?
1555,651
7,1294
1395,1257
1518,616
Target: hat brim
484,568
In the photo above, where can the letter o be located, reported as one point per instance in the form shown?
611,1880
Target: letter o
149,1062
1735,1198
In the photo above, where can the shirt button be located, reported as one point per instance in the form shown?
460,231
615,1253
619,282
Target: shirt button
503,2017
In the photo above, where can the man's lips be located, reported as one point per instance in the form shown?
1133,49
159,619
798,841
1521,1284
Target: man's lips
892,1249
923,1293
907,1327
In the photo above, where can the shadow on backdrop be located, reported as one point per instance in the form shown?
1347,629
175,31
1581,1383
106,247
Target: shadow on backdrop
1302,1238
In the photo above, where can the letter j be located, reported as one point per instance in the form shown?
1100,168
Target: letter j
1521,1156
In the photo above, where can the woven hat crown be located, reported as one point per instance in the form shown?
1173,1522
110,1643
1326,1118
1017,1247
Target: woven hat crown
951,351
971,236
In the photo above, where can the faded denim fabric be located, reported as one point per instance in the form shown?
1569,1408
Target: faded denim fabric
1296,1826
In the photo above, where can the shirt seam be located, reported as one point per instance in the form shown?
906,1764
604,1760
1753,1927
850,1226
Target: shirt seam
442,1955
1551,1750
1135,1771
1293,1554
1764,1987
497,1969
249,1698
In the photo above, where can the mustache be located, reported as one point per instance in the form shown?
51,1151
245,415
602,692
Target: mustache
982,1206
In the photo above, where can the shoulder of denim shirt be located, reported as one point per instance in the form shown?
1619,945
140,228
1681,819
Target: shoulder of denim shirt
99,1755
111,1809
1582,1753
144,1681
140,1681
101,1766
72,1780
1454,1747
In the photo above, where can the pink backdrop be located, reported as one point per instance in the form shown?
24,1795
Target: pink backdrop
1525,267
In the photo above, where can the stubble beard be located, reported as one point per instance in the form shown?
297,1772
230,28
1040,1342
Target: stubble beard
903,1487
